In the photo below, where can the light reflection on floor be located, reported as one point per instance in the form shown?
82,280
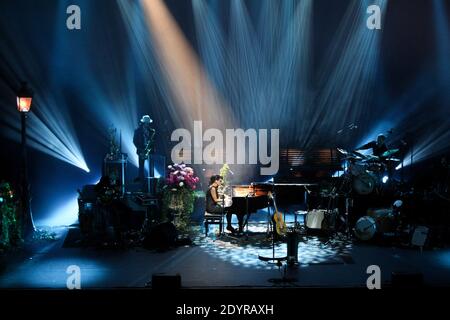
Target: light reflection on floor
241,252
51,273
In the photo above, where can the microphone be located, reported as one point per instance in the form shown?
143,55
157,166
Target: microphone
232,173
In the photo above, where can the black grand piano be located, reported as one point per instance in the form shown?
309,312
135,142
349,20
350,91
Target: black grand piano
248,199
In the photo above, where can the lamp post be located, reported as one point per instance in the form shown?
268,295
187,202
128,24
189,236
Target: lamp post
24,99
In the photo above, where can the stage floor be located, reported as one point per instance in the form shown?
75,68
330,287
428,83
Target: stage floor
219,263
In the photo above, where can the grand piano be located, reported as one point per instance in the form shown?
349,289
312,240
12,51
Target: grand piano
248,199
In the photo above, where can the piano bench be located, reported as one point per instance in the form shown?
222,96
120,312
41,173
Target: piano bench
212,218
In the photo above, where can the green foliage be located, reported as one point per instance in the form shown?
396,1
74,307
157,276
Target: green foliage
10,231
224,173
180,203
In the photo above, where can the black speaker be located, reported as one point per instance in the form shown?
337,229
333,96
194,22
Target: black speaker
407,280
166,282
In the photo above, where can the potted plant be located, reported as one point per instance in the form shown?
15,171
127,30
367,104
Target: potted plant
179,194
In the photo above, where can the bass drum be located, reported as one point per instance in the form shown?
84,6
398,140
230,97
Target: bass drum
365,228
364,183
378,221
384,218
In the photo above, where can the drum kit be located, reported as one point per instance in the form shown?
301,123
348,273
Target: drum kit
367,171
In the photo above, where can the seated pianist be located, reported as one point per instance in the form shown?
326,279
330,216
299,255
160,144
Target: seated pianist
213,203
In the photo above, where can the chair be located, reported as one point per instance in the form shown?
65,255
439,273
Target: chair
212,218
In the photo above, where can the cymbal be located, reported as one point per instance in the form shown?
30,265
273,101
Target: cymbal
344,152
393,159
389,153
359,154
372,157
352,158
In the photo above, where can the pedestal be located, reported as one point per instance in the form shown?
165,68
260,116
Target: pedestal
116,171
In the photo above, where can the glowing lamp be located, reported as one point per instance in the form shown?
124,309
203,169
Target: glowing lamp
24,98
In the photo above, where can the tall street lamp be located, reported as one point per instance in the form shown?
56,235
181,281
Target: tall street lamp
24,99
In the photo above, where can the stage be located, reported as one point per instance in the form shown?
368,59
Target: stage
255,146
218,263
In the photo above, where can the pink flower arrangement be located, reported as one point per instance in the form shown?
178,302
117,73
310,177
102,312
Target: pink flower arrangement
181,176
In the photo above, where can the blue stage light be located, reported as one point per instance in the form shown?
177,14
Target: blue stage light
64,215
347,77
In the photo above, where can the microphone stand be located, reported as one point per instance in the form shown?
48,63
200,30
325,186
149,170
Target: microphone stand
273,259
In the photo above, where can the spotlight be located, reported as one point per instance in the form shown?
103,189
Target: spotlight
64,215
385,179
